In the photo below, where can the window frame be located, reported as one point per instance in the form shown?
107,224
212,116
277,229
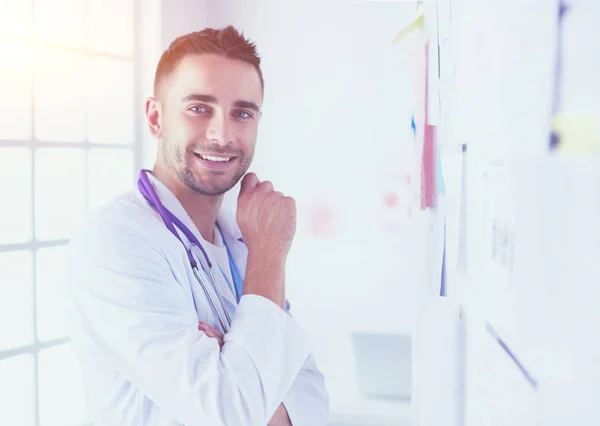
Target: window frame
33,144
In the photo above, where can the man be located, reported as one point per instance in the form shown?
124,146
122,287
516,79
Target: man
149,342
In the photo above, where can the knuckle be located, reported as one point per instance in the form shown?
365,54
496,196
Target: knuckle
250,180
290,202
266,185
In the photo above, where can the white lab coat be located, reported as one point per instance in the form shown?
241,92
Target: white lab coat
134,329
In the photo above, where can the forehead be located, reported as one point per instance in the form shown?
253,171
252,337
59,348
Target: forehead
210,74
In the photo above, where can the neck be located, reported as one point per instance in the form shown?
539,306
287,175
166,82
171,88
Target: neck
202,209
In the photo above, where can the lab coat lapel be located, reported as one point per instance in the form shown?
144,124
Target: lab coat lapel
220,281
235,242
229,231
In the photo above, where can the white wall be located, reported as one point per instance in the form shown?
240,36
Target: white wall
336,127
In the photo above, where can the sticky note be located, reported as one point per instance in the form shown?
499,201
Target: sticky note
577,133
418,23
428,169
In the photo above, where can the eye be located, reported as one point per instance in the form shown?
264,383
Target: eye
243,114
198,109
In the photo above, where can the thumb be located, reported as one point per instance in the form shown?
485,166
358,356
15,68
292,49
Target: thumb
249,182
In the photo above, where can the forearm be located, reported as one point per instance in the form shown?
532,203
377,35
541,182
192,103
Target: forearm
307,402
265,276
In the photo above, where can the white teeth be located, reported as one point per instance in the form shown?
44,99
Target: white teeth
211,158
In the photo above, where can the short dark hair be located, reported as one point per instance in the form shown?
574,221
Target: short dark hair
227,42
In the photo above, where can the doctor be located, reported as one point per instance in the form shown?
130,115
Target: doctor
152,347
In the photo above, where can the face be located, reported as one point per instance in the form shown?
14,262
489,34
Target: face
206,119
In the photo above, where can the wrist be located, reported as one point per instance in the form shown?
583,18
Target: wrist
265,276
267,258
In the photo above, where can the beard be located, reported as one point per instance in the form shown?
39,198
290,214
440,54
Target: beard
183,162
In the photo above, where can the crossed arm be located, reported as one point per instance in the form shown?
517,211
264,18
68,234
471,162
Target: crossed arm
281,416
122,277
307,402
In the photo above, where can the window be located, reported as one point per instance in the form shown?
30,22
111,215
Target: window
67,145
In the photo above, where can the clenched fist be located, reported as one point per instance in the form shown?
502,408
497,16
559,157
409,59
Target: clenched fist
267,218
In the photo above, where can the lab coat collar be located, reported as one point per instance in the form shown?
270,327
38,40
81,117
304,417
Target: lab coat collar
172,203
226,219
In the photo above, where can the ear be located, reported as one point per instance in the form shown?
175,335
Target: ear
154,116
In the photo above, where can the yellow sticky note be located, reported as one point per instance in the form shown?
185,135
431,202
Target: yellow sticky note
419,22
578,133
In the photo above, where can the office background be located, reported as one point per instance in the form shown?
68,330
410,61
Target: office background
343,132
73,80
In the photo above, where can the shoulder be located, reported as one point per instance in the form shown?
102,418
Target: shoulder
120,225
116,248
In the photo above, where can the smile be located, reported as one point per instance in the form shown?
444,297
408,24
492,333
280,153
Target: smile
215,162
215,158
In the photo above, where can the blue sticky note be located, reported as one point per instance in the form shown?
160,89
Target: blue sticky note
443,283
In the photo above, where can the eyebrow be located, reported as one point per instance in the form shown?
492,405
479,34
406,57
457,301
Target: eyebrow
212,100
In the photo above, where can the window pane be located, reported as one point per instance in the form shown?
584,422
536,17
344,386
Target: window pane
15,17
15,91
62,401
116,14
110,110
60,21
17,391
51,323
16,300
16,222
59,192
110,173
59,96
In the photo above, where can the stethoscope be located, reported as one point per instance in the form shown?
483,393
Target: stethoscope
170,220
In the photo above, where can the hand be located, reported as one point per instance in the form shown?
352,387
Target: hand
267,219
211,332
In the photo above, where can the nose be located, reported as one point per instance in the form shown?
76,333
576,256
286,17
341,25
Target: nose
219,129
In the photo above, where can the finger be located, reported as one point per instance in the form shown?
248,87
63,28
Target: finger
265,186
276,195
215,336
218,335
291,202
209,328
249,182
215,332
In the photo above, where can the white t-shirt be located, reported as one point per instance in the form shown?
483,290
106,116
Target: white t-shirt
219,252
